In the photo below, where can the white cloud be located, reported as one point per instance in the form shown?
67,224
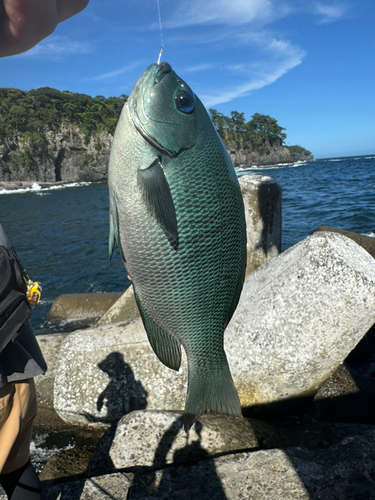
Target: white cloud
199,67
279,57
57,47
234,12
117,72
330,13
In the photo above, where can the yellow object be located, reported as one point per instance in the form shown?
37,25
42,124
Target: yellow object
34,291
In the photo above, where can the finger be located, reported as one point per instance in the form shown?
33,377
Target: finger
69,8
24,23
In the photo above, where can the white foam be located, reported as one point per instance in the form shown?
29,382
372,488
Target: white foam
37,189
39,456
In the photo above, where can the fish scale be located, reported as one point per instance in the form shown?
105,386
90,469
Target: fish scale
176,212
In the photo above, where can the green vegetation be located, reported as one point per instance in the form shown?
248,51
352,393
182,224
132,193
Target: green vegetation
296,151
258,134
37,111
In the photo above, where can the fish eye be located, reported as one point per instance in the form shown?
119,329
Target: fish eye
184,102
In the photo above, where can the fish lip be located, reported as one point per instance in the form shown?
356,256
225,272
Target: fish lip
162,71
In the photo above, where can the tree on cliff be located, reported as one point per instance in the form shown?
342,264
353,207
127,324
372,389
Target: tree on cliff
257,134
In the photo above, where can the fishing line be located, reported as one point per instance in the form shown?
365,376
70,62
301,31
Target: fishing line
161,33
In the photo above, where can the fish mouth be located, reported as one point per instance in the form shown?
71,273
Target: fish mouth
160,71
164,69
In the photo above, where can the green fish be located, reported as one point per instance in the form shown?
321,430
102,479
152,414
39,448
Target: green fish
177,215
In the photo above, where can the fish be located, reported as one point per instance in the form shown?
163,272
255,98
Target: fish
177,215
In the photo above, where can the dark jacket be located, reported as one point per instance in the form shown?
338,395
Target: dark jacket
21,359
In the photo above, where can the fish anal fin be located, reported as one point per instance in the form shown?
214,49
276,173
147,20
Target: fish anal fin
158,198
165,345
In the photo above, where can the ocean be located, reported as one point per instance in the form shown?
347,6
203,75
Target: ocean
61,233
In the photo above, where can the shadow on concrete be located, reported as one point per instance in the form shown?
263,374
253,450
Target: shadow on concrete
123,394
295,426
269,200
183,483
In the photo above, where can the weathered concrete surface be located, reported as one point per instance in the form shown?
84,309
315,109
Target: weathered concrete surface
299,317
155,439
89,306
297,320
106,372
50,347
349,394
344,471
367,242
124,309
262,203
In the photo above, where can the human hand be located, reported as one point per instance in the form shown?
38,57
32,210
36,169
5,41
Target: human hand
24,23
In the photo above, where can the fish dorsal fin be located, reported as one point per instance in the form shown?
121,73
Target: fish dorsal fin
158,198
165,345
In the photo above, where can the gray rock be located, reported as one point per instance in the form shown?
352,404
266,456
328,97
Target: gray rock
367,242
50,346
124,309
62,155
262,202
106,372
155,439
78,306
299,317
113,487
343,471
276,154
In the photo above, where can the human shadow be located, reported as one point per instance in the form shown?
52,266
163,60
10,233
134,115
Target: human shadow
168,479
122,395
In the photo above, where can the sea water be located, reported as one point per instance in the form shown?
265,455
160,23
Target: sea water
61,235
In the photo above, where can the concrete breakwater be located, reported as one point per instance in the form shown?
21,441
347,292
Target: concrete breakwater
296,352
107,378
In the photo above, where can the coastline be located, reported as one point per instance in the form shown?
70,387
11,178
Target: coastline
8,187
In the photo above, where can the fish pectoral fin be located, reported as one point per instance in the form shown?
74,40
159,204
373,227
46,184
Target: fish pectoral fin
165,345
158,198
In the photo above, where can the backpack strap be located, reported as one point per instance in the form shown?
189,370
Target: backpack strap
14,307
14,311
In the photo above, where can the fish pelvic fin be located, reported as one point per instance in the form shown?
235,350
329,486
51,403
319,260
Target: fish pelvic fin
210,391
114,235
158,198
165,345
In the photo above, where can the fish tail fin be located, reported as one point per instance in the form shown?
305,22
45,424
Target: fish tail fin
210,391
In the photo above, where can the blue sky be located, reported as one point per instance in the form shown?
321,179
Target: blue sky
308,63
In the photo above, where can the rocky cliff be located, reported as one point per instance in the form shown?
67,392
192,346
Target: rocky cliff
244,158
66,155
